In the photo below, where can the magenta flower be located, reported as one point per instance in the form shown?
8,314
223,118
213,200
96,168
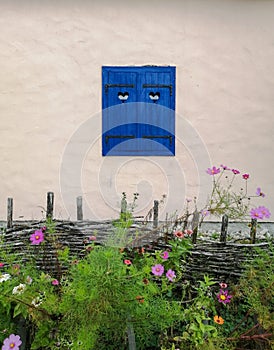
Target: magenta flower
235,171
157,270
259,192
37,237
127,262
12,342
224,297
165,255
256,213
44,228
55,282
264,211
224,167
245,176
213,170
2,264
223,285
170,275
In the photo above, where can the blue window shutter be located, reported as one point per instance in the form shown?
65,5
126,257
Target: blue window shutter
138,110
158,95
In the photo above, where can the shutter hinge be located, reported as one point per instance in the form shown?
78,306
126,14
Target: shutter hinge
107,86
159,137
159,86
107,137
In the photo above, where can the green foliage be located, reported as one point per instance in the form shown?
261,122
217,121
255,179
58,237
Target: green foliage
197,328
126,216
224,199
229,196
113,297
256,288
102,288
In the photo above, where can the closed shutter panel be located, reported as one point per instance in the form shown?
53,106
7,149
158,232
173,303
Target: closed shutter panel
158,110
119,91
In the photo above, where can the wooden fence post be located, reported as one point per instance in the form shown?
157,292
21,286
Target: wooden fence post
253,230
224,229
155,213
79,201
195,224
50,203
9,212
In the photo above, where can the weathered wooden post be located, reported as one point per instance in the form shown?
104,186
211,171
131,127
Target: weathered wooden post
195,225
224,229
155,213
79,201
50,203
253,230
131,335
9,212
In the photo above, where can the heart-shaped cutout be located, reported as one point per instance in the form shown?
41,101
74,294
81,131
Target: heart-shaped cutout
154,96
123,96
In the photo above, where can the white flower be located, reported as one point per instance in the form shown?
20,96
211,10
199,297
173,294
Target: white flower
36,302
4,277
19,289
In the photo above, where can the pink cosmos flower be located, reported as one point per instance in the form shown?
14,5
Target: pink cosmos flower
157,270
92,238
170,275
260,213
13,342
127,262
224,167
165,255
224,297
44,228
179,234
205,212
188,232
213,171
259,192
245,176
1,264
223,285
55,282
256,213
37,237
235,171
265,212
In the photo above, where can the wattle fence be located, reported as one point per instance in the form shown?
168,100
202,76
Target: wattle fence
218,257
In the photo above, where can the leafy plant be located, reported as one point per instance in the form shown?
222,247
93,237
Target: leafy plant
115,297
126,215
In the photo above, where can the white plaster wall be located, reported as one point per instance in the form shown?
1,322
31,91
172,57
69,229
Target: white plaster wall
50,86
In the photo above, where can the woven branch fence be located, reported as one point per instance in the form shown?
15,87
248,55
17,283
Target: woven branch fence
220,259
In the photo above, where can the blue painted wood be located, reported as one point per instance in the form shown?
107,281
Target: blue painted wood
138,110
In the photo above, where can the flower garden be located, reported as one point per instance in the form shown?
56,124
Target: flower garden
117,295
